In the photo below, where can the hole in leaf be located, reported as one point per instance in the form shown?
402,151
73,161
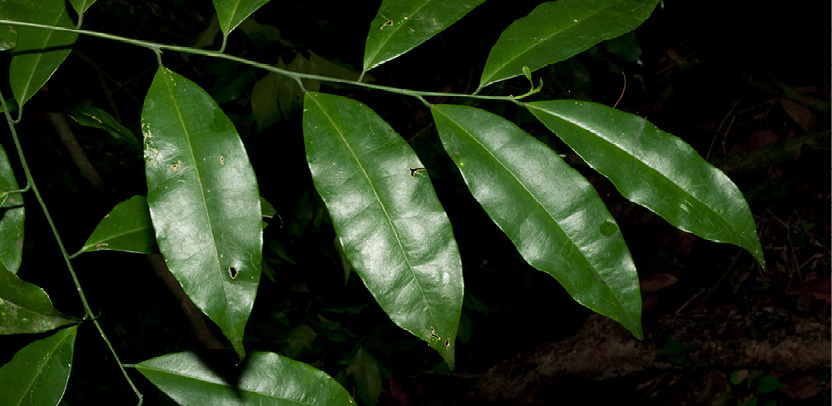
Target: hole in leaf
233,272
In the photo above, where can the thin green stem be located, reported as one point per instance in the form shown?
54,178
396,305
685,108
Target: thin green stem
30,181
270,68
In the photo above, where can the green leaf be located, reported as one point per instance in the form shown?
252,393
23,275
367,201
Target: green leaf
401,25
94,117
548,210
264,96
126,228
25,308
15,10
654,169
203,200
266,208
81,6
390,223
39,53
39,372
557,30
364,369
264,379
231,13
12,216
768,384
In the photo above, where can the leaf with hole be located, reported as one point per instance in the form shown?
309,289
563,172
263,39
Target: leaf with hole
654,169
25,308
557,30
204,201
391,225
401,25
549,211
230,13
39,372
12,217
264,379
39,53
126,228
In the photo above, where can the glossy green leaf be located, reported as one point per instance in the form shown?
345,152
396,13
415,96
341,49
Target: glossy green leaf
87,115
549,211
204,201
12,216
39,53
126,228
364,369
16,10
401,25
654,169
25,308
81,6
391,225
265,379
557,30
231,13
39,372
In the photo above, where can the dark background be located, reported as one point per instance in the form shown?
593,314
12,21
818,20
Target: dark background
722,76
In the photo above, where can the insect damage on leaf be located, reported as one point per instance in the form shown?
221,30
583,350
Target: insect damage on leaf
232,272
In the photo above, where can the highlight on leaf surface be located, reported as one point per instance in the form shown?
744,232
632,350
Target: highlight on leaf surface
391,226
547,209
26,308
204,201
654,169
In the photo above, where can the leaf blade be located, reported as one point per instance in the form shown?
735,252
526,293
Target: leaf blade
81,6
268,379
25,308
39,372
555,31
549,211
401,25
13,214
127,227
230,13
400,242
204,201
654,169
31,64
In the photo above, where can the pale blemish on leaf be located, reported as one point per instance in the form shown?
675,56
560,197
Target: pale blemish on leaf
222,160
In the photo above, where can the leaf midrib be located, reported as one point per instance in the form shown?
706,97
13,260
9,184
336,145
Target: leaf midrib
383,208
227,307
533,196
661,175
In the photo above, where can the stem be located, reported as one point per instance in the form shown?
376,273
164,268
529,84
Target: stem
30,181
270,68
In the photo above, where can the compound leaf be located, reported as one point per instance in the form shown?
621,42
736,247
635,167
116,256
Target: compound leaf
25,308
204,201
39,372
391,225
39,53
126,228
654,169
265,379
12,216
230,13
549,211
401,25
557,30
